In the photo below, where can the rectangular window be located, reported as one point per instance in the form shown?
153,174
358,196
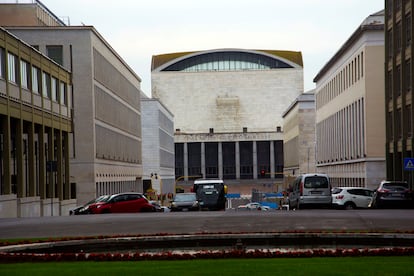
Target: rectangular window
407,120
24,74
390,44
2,63
55,52
389,85
390,127
362,64
389,7
398,80
63,98
398,121
46,85
35,79
12,67
54,89
408,76
398,34
408,30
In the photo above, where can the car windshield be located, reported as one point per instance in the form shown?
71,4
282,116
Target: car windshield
103,198
185,197
316,182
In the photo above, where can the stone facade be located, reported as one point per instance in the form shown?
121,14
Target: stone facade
228,122
106,145
157,146
350,118
35,124
299,136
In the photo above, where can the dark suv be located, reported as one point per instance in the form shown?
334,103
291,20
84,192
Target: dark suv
395,194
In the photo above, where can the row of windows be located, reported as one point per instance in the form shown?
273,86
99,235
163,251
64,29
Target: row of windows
395,83
403,123
344,79
227,61
341,136
396,36
346,175
20,72
115,187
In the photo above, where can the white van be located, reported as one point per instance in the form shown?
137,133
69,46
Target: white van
310,189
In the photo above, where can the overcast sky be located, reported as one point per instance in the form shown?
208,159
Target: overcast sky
139,29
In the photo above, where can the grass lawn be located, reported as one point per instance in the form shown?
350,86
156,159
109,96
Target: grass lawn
277,266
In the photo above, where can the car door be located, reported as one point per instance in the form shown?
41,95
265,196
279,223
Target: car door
134,203
360,198
119,203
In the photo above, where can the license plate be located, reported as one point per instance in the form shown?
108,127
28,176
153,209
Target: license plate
397,195
316,192
185,209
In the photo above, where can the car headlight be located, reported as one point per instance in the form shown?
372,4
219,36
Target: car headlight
173,204
84,209
195,203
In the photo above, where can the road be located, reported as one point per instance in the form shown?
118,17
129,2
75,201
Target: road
229,221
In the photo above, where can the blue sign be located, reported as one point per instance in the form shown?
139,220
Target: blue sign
233,195
408,164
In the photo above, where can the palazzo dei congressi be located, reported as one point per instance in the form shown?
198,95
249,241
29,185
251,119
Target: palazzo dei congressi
228,106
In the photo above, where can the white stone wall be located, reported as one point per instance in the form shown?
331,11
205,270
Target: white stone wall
228,101
158,139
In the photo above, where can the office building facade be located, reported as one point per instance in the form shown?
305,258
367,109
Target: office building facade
398,89
350,125
106,155
299,136
157,147
36,122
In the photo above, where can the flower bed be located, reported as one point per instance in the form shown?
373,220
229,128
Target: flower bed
105,257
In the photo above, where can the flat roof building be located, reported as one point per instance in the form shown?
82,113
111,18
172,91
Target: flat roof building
157,148
106,150
227,106
399,49
350,125
299,142
36,120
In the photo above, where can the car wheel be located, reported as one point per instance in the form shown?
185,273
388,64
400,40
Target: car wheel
349,206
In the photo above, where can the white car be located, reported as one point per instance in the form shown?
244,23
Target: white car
351,197
253,206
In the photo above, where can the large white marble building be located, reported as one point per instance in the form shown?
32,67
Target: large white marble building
227,106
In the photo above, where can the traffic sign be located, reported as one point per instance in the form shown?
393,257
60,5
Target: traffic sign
408,164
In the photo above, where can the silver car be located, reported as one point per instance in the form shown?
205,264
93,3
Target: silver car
313,189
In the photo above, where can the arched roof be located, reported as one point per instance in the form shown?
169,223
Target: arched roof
264,58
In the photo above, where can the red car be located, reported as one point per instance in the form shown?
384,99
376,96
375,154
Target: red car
122,203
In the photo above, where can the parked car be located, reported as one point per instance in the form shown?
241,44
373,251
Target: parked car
253,206
84,209
312,189
351,197
123,203
395,194
185,202
158,207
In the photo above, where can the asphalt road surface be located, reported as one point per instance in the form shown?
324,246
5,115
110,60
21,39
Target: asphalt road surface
229,221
